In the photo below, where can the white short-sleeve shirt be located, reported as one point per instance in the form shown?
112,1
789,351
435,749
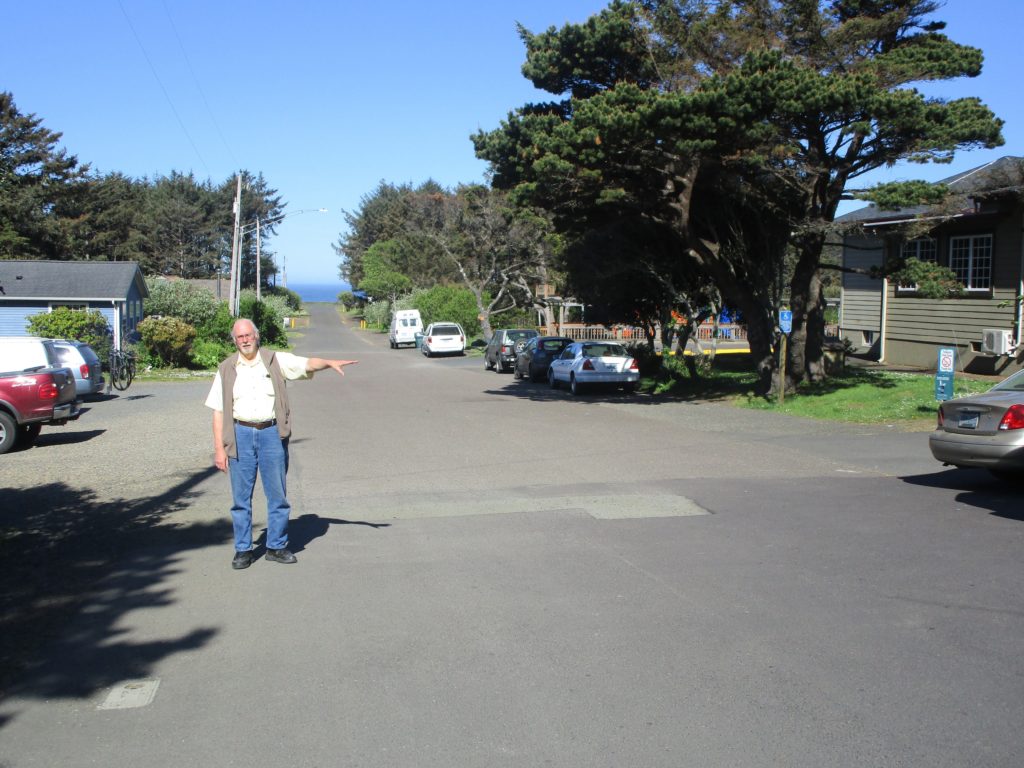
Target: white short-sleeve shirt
254,390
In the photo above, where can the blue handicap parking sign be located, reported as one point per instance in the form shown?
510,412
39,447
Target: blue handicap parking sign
786,320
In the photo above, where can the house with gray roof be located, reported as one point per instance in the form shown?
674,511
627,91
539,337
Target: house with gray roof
977,233
115,288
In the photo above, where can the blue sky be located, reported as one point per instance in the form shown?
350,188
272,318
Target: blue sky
327,99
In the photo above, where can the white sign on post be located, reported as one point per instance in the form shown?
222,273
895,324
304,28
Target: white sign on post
786,320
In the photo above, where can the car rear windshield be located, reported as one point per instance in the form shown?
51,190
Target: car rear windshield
516,335
553,345
447,330
1015,383
604,350
69,356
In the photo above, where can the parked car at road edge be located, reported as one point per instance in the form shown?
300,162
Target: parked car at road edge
443,339
30,399
984,430
535,358
584,364
504,345
84,363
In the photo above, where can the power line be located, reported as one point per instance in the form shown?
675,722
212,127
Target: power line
166,94
199,87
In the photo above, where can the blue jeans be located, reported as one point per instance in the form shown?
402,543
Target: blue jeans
260,451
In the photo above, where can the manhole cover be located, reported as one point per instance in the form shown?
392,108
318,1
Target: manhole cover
130,694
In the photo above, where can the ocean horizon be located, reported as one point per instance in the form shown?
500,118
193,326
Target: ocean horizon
313,292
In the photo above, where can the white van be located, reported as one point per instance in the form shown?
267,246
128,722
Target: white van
405,324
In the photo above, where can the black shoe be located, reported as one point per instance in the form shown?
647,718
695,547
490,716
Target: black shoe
281,556
242,560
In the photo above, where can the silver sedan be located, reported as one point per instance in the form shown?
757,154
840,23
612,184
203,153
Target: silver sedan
586,363
985,430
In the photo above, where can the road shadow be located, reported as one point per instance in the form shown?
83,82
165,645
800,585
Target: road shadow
303,529
57,542
977,488
53,437
542,392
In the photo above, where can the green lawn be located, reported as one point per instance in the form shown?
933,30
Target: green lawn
868,397
856,395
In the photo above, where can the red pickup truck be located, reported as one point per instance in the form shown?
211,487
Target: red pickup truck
29,399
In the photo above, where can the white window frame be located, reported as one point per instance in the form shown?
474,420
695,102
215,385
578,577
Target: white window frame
922,249
974,266
77,306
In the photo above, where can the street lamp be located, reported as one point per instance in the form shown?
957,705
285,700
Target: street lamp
257,227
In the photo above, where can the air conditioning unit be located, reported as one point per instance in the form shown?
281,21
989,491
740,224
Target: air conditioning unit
996,342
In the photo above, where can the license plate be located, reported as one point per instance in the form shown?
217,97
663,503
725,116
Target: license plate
968,420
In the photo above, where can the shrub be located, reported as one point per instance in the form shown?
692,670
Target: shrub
176,298
218,329
207,353
65,323
448,303
347,299
267,316
279,305
291,298
520,317
646,358
168,339
377,313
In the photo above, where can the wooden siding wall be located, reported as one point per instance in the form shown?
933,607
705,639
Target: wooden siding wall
861,301
934,321
14,316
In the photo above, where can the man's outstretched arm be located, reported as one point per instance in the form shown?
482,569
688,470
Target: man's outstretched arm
319,363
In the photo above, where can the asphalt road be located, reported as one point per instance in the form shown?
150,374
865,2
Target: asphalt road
492,573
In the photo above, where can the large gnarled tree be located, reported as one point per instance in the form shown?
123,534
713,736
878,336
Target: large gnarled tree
737,125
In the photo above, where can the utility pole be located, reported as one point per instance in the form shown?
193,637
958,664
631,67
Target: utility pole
258,258
236,265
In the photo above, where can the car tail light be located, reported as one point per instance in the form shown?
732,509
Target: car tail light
462,339
429,340
505,349
48,391
85,371
941,418
588,365
632,364
1013,418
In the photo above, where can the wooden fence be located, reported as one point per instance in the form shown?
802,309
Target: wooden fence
626,333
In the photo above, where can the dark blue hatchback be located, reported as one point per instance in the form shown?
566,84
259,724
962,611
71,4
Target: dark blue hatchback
534,360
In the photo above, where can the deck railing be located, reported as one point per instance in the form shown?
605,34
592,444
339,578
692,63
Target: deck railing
626,333
580,332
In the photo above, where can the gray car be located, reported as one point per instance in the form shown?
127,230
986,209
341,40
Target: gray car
83,362
985,430
504,345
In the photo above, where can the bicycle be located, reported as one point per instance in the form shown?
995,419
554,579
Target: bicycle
122,368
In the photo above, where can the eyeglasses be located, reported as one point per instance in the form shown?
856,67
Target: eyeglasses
245,336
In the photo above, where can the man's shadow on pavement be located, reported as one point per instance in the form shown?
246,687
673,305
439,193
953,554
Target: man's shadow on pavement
305,528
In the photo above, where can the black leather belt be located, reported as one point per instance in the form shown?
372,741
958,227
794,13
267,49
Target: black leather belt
256,424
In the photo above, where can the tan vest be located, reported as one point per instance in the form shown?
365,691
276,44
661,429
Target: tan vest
281,410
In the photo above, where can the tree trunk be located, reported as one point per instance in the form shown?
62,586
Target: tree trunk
805,355
668,331
484,314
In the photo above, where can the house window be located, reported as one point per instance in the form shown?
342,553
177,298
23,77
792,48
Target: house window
922,249
970,258
76,306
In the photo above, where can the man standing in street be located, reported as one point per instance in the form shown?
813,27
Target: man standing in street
251,427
